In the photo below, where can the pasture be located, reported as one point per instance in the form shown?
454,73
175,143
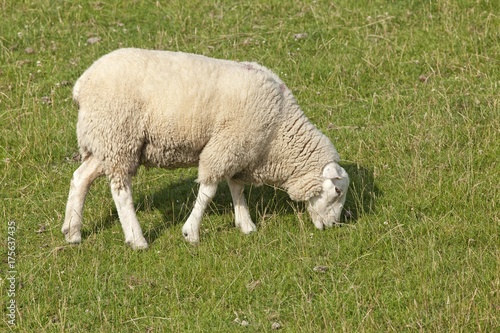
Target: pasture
408,91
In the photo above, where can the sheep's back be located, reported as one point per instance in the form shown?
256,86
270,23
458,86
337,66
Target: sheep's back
175,103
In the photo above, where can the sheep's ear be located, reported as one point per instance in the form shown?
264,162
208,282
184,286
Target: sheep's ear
332,171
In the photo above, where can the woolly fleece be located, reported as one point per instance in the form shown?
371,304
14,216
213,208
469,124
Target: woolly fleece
173,109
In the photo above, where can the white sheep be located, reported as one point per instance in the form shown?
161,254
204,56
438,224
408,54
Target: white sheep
236,121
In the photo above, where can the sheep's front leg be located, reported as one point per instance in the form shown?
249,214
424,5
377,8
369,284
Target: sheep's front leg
191,229
122,195
83,177
241,214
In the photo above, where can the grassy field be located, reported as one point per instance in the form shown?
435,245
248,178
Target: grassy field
408,91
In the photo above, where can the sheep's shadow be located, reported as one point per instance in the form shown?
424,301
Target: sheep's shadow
175,201
362,194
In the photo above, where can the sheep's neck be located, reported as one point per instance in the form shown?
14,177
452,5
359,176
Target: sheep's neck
297,155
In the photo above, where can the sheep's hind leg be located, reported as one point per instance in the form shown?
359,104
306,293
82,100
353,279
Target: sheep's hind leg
241,214
191,229
83,177
122,195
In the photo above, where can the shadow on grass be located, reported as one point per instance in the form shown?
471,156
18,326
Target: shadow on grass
362,193
175,202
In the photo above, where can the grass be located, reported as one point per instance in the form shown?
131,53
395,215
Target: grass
406,90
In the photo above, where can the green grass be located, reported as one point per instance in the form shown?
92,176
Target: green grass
408,91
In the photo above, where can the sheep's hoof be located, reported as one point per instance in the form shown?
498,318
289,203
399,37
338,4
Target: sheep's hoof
138,244
190,234
248,228
75,239
72,236
190,238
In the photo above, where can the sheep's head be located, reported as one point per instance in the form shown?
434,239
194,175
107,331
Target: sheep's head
325,208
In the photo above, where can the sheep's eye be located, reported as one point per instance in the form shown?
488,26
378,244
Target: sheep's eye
337,190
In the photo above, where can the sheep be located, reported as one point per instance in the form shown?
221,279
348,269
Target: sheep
236,121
